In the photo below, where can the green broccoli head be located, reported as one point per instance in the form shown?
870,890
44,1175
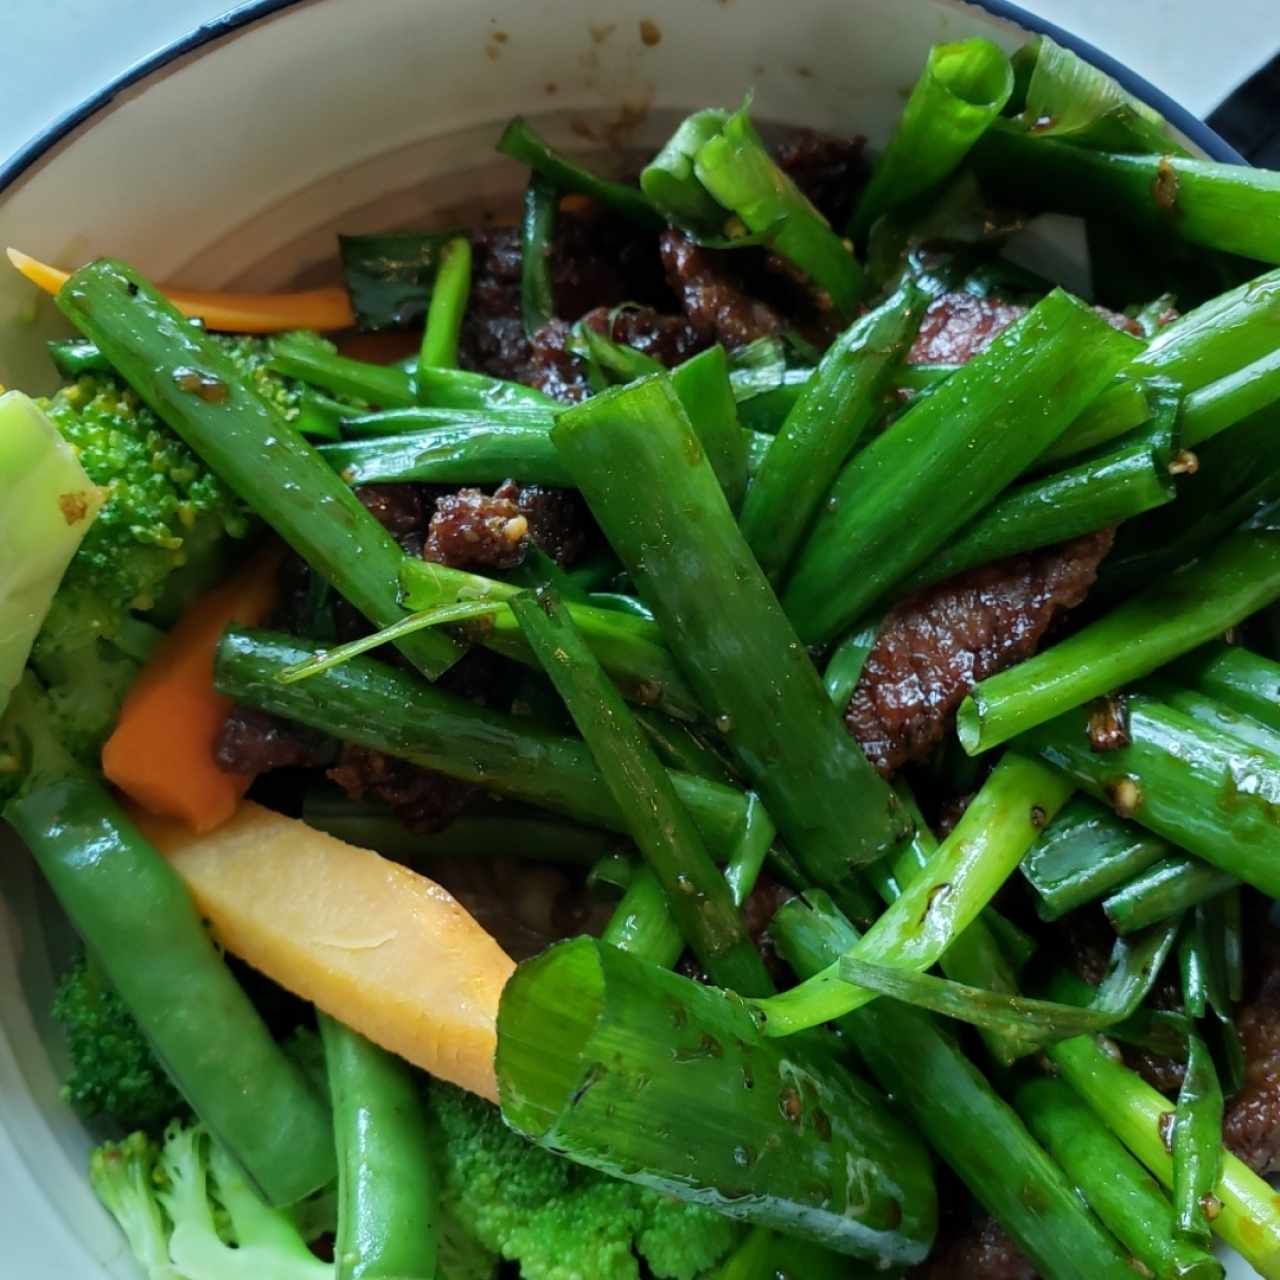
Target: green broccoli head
557,1220
114,1074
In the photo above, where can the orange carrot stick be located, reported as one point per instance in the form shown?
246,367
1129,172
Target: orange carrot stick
161,753
318,309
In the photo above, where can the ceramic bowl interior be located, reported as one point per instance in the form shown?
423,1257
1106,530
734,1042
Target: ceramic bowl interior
233,159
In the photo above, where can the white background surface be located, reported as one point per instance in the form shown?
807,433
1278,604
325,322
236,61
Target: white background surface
58,52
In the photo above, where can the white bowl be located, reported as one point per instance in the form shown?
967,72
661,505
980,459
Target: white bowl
231,157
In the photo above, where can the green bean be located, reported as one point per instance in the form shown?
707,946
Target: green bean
522,142
131,909
963,88
657,822
1218,206
1085,852
387,1215
641,468
962,877
1197,1145
837,405
567,1073
942,462
961,1116
738,172
537,232
1170,618
193,386
1200,789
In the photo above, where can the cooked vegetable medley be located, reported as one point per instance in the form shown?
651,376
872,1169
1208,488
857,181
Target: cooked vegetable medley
736,735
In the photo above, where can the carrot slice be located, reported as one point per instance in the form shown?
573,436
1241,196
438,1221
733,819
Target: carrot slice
318,309
161,753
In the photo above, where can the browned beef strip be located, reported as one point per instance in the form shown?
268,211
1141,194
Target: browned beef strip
472,530
713,300
553,368
830,171
421,799
252,741
669,339
981,1252
937,644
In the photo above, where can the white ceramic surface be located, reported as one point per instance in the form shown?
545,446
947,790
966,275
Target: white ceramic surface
237,162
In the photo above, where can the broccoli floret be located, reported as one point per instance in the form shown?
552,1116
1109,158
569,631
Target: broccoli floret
251,355
124,1175
558,1220
114,1074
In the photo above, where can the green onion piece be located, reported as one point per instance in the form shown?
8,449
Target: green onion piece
1249,1220
643,471
1085,852
376,706
841,399
946,458
320,417
1170,618
522,142
461,389
657,822
669,179
1233,675
737,170
192,385
1117,1188
960,879
448,306
315,361
703,385
1038,1022
1123,407
1132,970
606,1059
844,667
1192,966
1060,95
1218,206
963,88
1200,789
1197,1145
1217,715
390,276
537,233
1167,888
1221,404
974,1131
766,1255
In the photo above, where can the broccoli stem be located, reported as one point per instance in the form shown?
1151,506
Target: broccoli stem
387,1214
195,388
131,909
655,1078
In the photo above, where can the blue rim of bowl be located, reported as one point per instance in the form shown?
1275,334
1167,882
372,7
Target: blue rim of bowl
237,19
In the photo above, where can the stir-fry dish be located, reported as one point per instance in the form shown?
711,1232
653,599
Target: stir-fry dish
728,729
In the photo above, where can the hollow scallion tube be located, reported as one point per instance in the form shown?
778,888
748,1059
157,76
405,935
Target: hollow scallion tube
1249,1220
657,822
1218,206
1230,399
1166,889
1202,790
537,231
387,1216
935,469
448,305
130,907
963,88
639,464
315,361
766,1132
1084,853
702,383
1197,1144
1115,1186
669,179
958,882
1169,619
1235,676
194,387
373,705
737,170
522,142
961,1116
837,405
